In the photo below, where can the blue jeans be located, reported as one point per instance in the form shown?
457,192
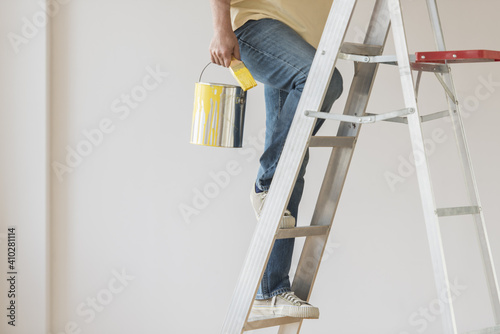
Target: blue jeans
280,58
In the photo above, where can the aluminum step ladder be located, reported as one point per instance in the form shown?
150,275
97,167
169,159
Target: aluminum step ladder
367,57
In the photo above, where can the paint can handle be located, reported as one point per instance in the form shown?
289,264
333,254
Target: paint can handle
204,68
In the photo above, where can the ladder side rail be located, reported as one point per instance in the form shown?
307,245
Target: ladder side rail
339,162
422,168
474,198
436,24
288,167
467,168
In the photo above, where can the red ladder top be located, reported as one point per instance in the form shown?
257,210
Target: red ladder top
460,56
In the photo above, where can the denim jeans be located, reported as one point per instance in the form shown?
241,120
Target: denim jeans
280,58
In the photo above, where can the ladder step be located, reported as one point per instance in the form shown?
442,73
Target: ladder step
361,49
490,330
332,141
258,323
303,231
458,211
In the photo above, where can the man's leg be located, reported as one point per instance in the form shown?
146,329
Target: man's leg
278,57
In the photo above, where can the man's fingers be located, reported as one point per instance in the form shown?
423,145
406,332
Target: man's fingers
223,59
220,58
216,58
236,52
212,58
222,47
218,61
227,60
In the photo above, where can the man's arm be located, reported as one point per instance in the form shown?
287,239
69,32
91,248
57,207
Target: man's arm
224,42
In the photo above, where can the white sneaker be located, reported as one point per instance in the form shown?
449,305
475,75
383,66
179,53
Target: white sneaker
258,199
285,304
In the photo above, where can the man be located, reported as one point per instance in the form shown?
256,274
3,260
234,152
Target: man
276,40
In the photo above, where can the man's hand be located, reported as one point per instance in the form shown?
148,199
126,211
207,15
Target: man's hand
224,43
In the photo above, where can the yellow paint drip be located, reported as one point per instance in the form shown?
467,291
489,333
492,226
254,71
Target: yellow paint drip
218,115
206,114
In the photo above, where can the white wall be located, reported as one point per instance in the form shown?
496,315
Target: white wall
124,259
23,165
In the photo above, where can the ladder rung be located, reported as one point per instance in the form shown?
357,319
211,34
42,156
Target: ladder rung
258,323
458,211
490,330
436,115
303,231
361,49
332,141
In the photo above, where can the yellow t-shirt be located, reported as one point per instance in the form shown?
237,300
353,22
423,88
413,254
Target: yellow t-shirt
307,18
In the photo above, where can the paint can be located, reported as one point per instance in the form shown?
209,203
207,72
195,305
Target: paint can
218,114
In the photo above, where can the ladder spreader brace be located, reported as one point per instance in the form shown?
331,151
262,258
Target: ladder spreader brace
372,118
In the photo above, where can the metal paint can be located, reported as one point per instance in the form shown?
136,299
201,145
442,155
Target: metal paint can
218,115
